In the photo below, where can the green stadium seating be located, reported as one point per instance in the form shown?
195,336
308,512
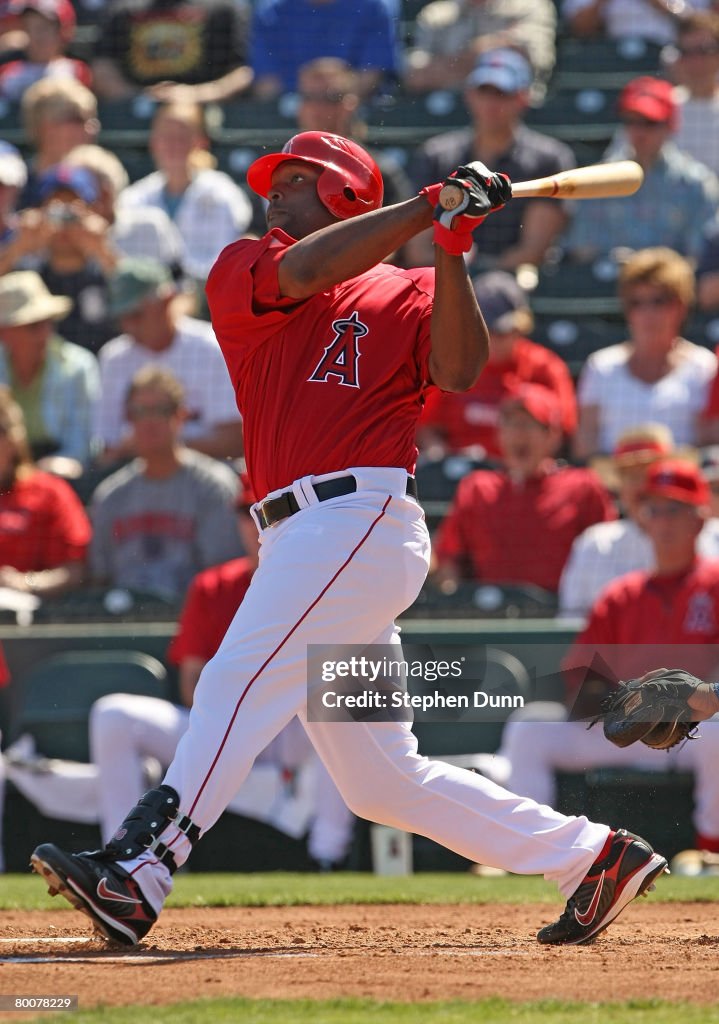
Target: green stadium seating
604,63
56,694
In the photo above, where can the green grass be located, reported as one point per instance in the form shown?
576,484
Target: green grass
365,1011
27,892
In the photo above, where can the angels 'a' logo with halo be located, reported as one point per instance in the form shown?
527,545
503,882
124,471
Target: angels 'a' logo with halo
341,357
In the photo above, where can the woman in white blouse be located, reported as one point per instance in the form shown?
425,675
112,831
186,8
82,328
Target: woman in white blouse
656,375
208,208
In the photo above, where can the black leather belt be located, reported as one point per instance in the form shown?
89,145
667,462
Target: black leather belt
274,510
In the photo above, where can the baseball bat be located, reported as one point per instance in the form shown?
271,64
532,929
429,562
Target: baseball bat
597,181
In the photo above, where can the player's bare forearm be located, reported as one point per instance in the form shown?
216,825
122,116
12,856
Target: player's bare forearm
343,250
460,342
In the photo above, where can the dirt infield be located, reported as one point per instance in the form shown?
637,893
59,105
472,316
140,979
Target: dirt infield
655,950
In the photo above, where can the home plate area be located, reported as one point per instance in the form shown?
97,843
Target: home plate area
399,952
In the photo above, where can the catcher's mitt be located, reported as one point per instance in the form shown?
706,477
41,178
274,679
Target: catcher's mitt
653,709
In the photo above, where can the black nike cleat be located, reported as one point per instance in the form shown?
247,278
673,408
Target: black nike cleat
101,889
626,871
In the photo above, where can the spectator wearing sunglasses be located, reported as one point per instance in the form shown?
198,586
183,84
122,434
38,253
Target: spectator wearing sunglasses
679,195
695,69
171,511
656,375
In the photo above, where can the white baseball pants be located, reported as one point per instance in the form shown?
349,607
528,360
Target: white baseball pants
126,729
340,571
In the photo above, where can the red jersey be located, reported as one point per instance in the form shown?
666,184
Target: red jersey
327,382
470,418
4,670
711,409
42,524
642,621
213,597
520,532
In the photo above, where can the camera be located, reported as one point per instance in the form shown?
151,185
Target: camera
61,213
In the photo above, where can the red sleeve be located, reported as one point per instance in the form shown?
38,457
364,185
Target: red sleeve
69,527
711,409
209,608
196,635
559,379
599,630
4,670
83,73
432,415
243,291
451,541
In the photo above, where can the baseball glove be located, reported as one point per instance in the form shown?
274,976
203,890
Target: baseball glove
653,709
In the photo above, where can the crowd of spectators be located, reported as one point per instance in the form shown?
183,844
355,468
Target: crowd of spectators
109,367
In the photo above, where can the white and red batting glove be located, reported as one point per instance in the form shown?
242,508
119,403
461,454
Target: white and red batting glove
483,192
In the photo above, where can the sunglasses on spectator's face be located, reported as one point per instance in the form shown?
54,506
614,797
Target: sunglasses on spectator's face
146,412
700,50
649,302
334,98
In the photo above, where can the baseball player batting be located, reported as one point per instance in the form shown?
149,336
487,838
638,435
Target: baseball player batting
330,351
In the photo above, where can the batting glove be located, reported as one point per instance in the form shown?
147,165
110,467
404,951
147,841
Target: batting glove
483,191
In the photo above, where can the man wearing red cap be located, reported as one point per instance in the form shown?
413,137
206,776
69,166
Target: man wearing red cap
500,519
330,350
607,550
679,195
665,616
49,26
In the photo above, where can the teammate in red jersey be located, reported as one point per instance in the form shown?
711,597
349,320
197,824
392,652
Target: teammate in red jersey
330,351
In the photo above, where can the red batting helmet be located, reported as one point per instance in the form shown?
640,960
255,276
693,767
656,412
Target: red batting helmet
350,182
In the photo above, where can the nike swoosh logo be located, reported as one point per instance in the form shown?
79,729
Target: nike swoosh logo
591,912
107,894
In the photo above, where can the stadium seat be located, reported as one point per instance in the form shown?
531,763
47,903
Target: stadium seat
437,479
491,670
604,63
106,604
125,122
583,115
406,119
476,600
577,289
575,337
253,122
56,694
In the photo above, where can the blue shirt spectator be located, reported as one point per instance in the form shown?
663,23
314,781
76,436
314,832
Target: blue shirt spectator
288,33
677,199
55,382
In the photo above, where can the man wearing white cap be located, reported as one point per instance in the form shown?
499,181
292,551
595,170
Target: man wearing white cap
55,382
496,94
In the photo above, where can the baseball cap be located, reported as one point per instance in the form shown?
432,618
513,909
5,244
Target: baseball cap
136,279
538,401
77,179
12,166
499,297
505,69
677,479
61,11
652,98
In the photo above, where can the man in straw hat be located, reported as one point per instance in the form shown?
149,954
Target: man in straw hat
54,381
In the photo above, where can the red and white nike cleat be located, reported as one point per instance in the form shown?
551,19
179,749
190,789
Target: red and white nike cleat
625,871
99,888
